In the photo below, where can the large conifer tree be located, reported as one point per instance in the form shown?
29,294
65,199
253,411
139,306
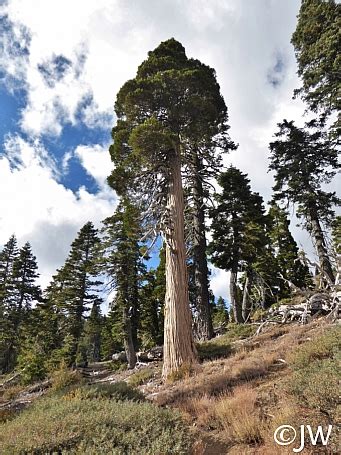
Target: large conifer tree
317,43
238,234
122,264
173,101
303,160
75,286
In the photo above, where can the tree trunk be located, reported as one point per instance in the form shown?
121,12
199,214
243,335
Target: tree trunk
204,328
247,303
320,246
236,306
128,339
179,348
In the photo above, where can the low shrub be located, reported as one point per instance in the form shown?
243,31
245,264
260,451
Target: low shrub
184,372
95,426
318,385
210,350
64,377
322,347
141,377
116,391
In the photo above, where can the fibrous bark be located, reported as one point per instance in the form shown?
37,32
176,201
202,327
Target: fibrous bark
179,347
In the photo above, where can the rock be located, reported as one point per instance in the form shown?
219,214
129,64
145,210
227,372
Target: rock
151,355
119,357
320,302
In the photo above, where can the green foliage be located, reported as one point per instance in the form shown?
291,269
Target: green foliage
74,287
317,370
18,290
303,159
151,310
317,42
320,348
78,425
318,384
141,377
213,349
237,332
118,391
64,377
287,262
238,222
221,346
220,313
32,364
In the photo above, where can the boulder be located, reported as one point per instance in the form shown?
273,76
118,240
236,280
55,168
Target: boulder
119,356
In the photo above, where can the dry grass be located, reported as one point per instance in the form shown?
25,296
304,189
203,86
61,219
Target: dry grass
236,403
239,416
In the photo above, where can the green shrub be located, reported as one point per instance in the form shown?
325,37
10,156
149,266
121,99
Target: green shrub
116,391
318,385
209,350
95,426
31,362
316,369
141,377
64,377
322,347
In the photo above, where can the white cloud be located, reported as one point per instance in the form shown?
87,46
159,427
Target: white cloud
39,209
96,161
247,42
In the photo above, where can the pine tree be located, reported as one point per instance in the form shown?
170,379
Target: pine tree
173,101
304,159
238,233
317,43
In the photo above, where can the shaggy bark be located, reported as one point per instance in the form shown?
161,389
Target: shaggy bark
179,347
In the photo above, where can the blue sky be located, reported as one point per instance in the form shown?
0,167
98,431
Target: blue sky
61,65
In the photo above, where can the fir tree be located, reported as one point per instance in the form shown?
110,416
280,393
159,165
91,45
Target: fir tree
220,313
8,256
304,159
122,265
18,290
317,43
289,266
75,286
238,233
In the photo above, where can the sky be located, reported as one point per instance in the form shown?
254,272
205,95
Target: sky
61,65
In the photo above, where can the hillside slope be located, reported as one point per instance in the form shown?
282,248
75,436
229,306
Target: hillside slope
232,404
